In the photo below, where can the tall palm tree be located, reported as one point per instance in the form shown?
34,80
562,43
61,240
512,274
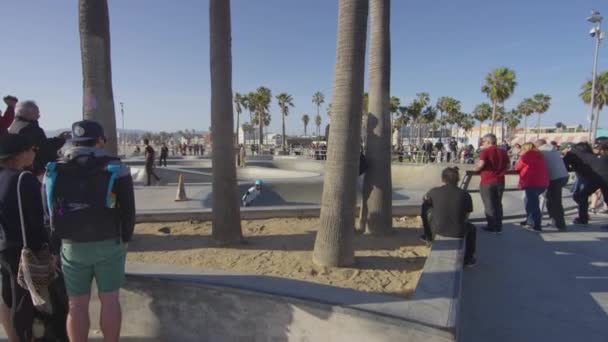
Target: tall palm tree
512,120
542,103
238,107
499,86
481,113
305,120
261,102
226,224
376,206
285,101
525,109
98,97
467,123
452,108
334,240
318,124
318,99
601,94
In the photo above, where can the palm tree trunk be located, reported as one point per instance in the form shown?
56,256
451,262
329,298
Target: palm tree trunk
98,97
226,226
525,128
479,140
334,240
377,189
493,117
238,117
284,140
261,123
538,128
305,129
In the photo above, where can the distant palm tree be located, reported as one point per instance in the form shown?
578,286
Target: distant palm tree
318,124
542,103
467,123
98,97
285,101
261,104
452,107
238,107
512,119
318,99
305,120
499,86
334,238
226,225
525,109
481,113
601,93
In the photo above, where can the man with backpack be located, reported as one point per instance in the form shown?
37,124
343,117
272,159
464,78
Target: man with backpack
90,201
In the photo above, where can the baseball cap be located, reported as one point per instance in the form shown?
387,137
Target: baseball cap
86,130
11,144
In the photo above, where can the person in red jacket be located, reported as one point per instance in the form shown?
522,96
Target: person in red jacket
9,114
534,180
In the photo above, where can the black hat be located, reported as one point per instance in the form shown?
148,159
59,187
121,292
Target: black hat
86,130
11,144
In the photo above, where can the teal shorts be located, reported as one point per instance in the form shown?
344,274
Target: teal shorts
83,261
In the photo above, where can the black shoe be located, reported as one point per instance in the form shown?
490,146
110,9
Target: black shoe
579,221
471,262
524,223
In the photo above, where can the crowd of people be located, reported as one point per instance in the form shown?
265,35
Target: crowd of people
543,170
64,222
439,152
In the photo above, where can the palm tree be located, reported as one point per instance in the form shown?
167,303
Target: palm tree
467,123
452,107
376,206
512,119
499,86
285,101
261,103
318,99
318,124
98,97
525,109
238,106
305,120
226,224
542,103
481,113
601,94
334,240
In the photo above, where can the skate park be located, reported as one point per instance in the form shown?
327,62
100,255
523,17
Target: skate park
447,305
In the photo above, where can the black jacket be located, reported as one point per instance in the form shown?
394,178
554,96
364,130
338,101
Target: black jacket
48,147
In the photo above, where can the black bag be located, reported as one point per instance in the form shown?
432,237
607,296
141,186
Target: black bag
81,198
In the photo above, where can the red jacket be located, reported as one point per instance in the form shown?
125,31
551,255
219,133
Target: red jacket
532,170
6,120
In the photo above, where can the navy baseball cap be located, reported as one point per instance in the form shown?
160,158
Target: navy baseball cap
86,130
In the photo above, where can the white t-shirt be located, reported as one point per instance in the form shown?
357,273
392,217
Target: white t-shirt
251,195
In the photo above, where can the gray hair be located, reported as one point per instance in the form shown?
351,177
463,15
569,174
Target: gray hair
491,138
27,109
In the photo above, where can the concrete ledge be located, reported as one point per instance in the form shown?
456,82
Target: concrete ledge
252,213
185,304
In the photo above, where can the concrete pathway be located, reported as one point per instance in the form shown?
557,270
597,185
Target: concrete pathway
526,286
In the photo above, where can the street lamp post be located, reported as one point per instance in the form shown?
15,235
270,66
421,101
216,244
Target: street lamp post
596,32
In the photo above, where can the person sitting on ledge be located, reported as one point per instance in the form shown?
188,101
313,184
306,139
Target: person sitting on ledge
252,193
445,212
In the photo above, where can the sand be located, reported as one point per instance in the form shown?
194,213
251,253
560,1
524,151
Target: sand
283,248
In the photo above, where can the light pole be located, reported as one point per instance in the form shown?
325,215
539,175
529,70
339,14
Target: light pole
596,32
124,141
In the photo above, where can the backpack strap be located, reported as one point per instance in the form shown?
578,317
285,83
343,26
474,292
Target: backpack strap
113,167
20,204
49,184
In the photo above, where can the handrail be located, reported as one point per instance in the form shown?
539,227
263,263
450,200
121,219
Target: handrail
469,174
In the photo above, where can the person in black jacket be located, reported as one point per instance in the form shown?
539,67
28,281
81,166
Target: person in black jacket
27,114
16,154
94,228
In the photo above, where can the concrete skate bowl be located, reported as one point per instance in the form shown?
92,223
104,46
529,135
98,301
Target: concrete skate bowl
172,303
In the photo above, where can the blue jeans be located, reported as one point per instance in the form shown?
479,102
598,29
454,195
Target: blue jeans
532,204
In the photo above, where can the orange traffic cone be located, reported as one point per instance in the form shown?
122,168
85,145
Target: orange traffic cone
181,190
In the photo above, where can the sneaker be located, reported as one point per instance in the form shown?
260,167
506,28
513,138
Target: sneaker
471,262
524,223
579,221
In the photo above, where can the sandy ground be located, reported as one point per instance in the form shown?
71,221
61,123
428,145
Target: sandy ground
283,247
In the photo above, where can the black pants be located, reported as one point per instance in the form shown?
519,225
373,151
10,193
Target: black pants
150,172
553,198
470,235
491,195
162,161
581,196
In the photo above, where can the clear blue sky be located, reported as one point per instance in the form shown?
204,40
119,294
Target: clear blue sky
160,55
